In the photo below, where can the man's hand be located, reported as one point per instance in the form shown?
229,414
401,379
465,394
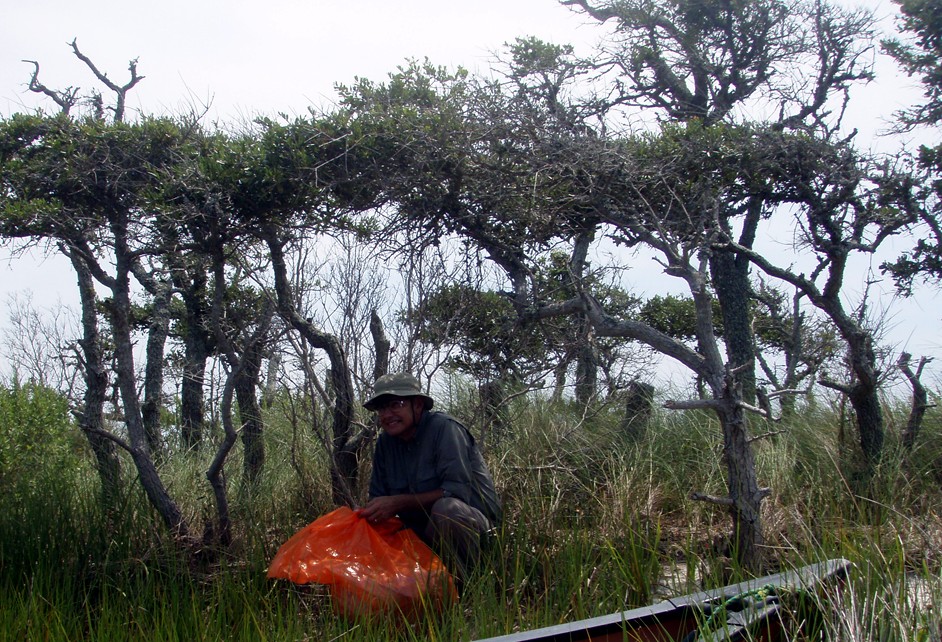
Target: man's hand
380,509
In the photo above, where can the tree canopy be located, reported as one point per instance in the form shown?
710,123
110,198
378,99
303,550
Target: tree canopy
695,132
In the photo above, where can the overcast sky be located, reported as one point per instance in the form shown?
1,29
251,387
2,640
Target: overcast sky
283,55
276,56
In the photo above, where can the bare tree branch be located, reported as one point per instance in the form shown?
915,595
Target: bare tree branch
66,99
693,404
712,499
112,437
920,398
120,91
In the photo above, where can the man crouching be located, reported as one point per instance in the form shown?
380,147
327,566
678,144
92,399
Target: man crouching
428,472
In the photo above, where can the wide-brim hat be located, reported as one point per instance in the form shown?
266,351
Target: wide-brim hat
399,384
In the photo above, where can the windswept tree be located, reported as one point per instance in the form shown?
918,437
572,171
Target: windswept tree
919,53
846,207
274,188
22,221
86,185
525,165
493,172
686,61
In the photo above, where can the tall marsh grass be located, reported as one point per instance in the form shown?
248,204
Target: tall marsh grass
595,523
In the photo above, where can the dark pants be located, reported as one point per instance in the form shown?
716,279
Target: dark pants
454,530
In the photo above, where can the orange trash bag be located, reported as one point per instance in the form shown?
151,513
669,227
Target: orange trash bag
370,568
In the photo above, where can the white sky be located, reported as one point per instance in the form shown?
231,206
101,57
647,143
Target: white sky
280,55
284,55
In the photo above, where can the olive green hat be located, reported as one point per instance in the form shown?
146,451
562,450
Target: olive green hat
399,384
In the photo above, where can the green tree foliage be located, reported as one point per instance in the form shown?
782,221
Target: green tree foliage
529,173
91,189
161,203
492,342
480,324
920,55
676,316
712,63
37,436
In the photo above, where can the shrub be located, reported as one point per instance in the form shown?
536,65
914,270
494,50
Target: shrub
36,435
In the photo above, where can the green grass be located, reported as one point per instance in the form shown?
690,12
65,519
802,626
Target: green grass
595,523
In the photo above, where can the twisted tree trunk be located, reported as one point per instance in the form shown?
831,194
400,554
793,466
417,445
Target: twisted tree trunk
154,372
196,350
124,369
344,465
91,417
250,412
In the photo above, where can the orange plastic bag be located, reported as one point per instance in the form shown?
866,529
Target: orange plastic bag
370,568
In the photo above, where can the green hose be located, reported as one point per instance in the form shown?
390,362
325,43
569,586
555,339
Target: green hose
735,603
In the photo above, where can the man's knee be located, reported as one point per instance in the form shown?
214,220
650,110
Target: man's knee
449,512
457,530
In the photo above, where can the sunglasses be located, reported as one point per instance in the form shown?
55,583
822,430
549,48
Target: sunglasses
390,404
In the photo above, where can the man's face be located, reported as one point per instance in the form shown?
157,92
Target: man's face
399,416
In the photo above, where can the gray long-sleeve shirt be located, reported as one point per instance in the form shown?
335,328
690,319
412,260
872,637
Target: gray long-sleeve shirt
441,455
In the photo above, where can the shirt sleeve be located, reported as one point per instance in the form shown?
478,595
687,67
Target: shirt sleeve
377,485
454,464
